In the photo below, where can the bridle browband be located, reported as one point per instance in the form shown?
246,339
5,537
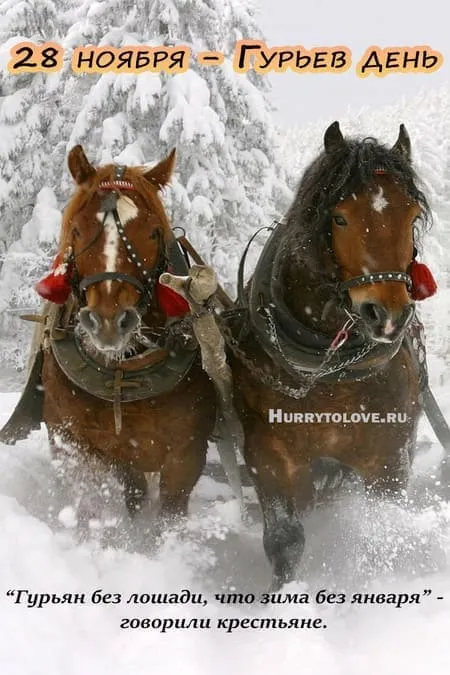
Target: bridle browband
150,276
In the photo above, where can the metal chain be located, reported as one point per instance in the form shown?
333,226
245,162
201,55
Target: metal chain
310,380
259,374
337,342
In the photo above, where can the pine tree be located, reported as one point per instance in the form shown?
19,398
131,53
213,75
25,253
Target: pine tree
28,110
228,180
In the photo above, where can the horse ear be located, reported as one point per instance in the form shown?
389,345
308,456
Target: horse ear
403,143
161,173
79,165
333,138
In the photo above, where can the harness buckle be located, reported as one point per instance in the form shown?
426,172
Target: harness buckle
341,336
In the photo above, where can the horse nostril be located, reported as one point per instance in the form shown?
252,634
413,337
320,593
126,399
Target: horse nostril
127,321
89,320
373,313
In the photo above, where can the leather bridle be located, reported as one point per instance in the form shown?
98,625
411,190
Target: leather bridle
149,276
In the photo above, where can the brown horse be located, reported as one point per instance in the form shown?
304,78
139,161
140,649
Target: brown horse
109,391
330,313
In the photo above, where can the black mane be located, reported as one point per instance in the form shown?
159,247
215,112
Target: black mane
334,176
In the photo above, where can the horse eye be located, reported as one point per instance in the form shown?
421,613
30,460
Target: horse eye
340,220
76,232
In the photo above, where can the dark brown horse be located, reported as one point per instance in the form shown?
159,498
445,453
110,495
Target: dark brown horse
330,310
138,406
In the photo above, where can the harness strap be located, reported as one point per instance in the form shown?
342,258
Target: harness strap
149,276
242,302
147,359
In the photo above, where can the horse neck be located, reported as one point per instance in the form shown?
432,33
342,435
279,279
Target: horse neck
309,292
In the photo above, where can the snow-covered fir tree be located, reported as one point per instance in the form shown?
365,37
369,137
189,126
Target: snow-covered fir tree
26,113
228,181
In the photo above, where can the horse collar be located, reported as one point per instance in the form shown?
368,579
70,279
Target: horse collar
147,382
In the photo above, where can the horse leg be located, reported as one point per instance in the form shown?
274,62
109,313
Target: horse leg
283,538
135,486
82,474
181,470
329,475
283,492
390,478
80,477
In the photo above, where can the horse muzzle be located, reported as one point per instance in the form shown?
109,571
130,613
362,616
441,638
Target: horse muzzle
380,324
110,334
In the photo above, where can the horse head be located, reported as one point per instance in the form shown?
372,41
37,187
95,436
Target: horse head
373,220
114,237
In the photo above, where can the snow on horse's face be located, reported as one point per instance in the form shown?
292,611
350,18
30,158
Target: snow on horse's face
110,316
372,232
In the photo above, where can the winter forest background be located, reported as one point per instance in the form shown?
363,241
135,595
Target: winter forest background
235,169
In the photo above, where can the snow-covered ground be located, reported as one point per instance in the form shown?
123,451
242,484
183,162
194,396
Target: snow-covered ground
354,546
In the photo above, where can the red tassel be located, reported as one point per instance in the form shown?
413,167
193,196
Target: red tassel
423,283
171,303
56,287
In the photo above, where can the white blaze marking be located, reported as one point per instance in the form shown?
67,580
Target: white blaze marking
379,203
127,211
